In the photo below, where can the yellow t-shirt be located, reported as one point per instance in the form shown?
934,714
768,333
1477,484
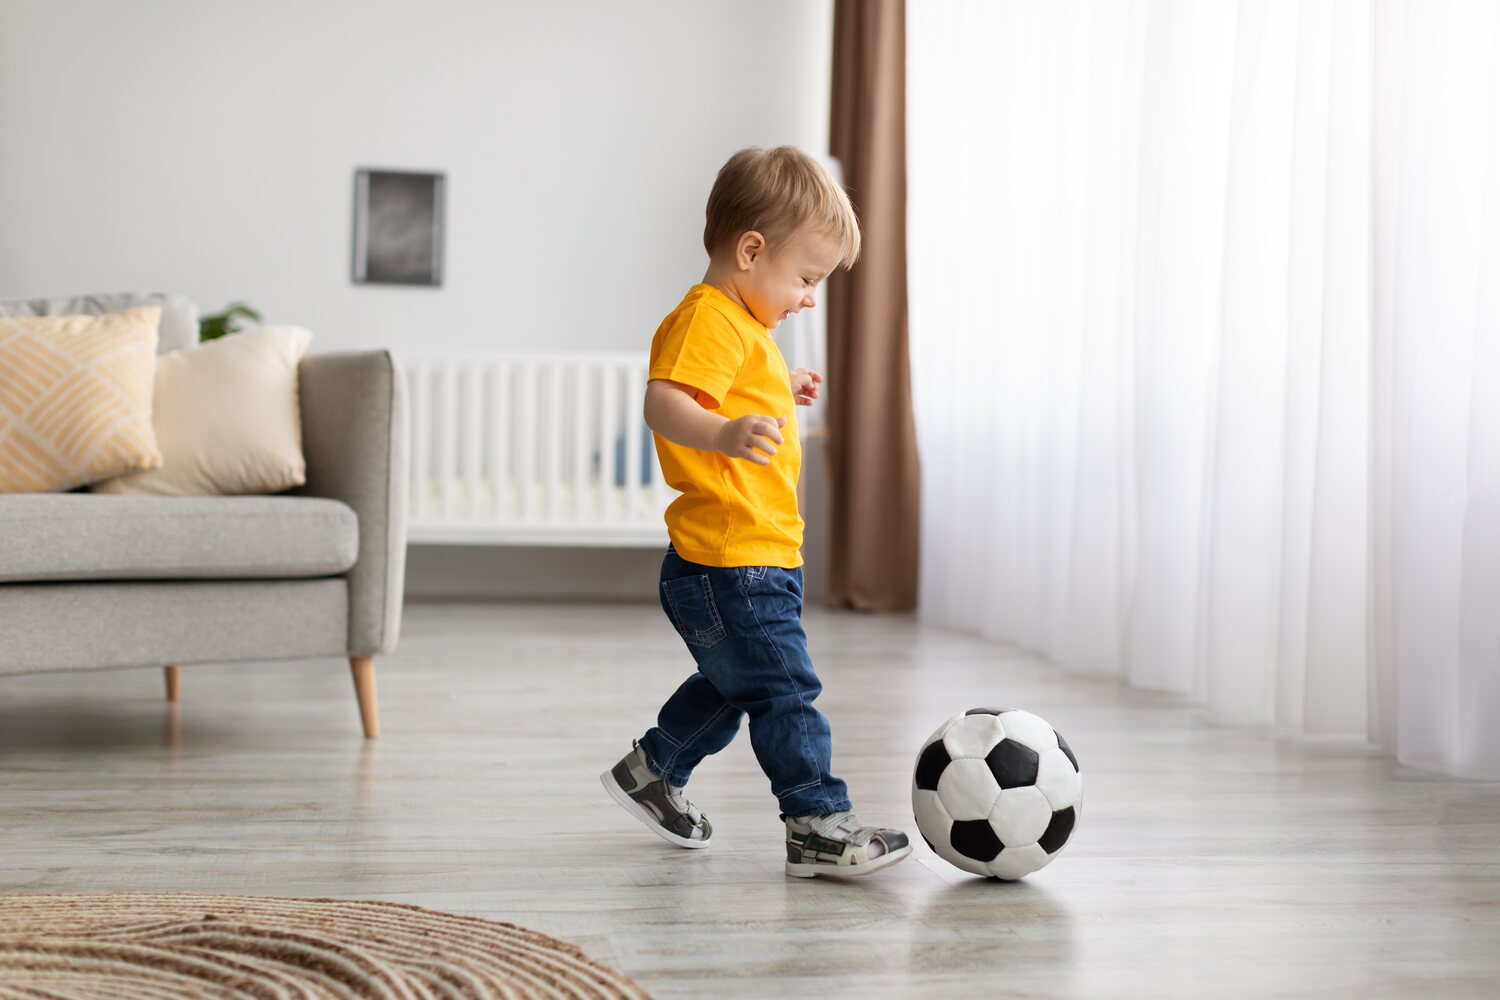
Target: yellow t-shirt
732,512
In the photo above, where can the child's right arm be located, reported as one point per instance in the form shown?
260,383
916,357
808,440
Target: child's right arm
672,410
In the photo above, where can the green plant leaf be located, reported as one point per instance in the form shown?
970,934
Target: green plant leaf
221,323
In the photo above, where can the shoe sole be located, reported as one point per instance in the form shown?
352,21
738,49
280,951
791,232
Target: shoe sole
799,870
639,812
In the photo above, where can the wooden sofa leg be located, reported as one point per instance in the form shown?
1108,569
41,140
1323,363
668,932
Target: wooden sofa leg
363,668
174,683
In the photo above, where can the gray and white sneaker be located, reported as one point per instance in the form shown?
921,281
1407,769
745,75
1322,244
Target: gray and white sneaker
836,844
659,805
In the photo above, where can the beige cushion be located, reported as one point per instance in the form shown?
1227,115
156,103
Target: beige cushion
227,418
75,398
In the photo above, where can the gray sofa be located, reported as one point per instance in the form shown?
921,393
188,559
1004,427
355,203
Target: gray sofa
92,581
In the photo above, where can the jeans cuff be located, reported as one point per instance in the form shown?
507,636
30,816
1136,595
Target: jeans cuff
654,764
812,802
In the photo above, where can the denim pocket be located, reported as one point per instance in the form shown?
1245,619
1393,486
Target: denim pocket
689,603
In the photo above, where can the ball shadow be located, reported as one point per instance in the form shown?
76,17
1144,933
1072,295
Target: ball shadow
988,927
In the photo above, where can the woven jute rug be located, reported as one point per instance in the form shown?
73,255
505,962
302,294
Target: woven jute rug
139,945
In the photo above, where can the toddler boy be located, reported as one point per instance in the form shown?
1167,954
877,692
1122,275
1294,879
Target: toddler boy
721,404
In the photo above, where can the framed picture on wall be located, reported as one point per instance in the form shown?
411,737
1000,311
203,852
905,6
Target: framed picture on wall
398,228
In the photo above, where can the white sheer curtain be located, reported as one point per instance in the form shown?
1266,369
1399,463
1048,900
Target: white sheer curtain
1205,327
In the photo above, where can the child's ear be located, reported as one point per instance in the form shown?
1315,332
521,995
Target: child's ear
751,245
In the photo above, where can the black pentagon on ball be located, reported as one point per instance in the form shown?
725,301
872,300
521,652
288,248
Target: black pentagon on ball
929,844
930,765
1063,744
1058,831
1013,764
975,838
988,711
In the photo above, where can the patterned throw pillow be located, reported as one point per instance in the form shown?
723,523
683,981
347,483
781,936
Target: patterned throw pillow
75,398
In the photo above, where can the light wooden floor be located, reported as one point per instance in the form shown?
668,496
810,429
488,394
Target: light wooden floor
1210,861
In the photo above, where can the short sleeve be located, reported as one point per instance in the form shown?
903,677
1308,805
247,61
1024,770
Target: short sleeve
701,349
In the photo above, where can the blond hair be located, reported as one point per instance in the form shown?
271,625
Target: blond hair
776,192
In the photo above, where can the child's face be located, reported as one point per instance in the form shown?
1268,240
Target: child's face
783,278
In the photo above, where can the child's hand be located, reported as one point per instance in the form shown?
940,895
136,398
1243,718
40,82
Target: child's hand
805,386
739,438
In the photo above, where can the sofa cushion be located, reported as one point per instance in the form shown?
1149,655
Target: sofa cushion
179,316
226,417
81,536
75,398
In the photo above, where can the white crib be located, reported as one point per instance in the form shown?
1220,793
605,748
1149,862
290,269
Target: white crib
532,449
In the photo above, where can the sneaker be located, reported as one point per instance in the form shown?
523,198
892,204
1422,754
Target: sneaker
836,844
654,802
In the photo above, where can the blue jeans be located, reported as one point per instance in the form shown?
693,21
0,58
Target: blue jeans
743,626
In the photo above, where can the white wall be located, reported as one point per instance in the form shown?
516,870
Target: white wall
209,148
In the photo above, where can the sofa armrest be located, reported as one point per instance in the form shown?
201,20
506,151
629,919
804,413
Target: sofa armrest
355,439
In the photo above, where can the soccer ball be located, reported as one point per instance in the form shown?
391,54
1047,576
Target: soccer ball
996,792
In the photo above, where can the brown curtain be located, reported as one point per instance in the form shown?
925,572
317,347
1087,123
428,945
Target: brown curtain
872,439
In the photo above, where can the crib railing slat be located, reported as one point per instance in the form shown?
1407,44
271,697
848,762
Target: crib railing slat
581,399
447,442
526,472
473,402
553,453
497,431
609,421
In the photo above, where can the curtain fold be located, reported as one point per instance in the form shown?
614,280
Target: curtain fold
1206,352
874,478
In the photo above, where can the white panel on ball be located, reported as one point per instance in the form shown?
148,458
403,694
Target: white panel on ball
973,735
1057,780
1029,729
1014,862
1020,816
968,789
932,819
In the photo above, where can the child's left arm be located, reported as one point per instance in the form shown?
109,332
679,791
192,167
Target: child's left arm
805,385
